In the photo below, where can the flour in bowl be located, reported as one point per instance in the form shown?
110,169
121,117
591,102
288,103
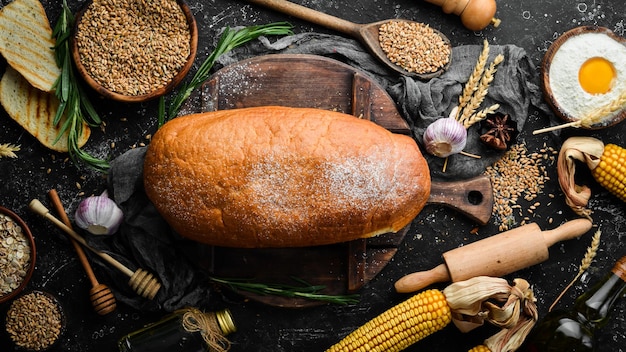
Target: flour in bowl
567,82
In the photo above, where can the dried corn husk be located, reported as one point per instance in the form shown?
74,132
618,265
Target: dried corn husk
584,149
472,303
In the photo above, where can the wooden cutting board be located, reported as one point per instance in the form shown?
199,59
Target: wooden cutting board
318,82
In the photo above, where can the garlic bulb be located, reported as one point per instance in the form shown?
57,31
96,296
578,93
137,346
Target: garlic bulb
445,137
99,215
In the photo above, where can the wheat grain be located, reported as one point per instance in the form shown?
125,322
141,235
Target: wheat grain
482,90
415,47
8,150
479,116
589,120
133,47
592,250
474,78
601,113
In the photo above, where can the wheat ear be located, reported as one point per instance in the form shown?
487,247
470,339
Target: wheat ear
592,250
472,82
601,113
8,150
593,118
481,91
481,115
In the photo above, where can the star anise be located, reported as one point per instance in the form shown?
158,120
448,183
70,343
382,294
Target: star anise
500,131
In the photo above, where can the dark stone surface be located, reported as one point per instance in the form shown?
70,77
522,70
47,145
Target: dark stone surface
532,24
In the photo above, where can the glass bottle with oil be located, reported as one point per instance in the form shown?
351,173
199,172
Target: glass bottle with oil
185,330
573,330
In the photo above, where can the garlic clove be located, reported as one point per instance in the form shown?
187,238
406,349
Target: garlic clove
444,137
99,215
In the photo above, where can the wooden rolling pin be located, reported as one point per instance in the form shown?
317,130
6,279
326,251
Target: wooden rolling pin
475,15
496,256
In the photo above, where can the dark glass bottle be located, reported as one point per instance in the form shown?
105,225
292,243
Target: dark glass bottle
170,334
573,330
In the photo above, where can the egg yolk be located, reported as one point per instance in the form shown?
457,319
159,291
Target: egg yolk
596,75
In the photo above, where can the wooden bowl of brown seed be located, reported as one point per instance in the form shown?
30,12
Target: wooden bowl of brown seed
35,321
17,254
133,50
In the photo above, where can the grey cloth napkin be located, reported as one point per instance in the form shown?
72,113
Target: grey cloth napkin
145,240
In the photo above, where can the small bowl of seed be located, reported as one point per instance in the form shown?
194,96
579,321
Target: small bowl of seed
134,50
17,255
35,321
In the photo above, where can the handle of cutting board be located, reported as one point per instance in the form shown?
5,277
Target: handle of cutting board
472,197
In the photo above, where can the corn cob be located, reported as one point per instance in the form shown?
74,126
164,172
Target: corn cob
607,165
400,326
611,171
480,348
467,303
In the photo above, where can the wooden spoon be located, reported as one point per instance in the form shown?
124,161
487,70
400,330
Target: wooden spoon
102,299
366,33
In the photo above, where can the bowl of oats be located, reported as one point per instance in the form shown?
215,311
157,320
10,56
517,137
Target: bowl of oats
134,50
17,254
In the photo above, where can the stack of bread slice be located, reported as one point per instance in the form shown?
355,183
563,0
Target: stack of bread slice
27,85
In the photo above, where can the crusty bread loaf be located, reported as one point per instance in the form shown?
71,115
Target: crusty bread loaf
26,42
34,110
283,177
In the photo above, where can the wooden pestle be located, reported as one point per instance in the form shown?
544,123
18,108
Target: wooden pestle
475,15
102,299
496,256
144,283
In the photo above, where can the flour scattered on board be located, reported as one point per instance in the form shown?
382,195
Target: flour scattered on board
245,80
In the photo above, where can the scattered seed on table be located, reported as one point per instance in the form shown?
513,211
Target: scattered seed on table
517,175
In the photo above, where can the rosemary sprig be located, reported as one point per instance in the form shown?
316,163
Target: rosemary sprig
230,39
306,291
74,104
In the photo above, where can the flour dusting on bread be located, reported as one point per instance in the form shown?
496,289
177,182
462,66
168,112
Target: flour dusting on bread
283,177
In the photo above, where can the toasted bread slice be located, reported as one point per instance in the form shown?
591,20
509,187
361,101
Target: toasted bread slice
26,42
34,110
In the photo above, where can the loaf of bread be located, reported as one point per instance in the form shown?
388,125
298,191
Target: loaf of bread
283,177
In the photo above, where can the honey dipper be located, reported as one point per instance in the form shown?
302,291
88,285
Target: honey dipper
497,255
102,299
144,283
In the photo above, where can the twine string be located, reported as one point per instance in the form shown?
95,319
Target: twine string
195,320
